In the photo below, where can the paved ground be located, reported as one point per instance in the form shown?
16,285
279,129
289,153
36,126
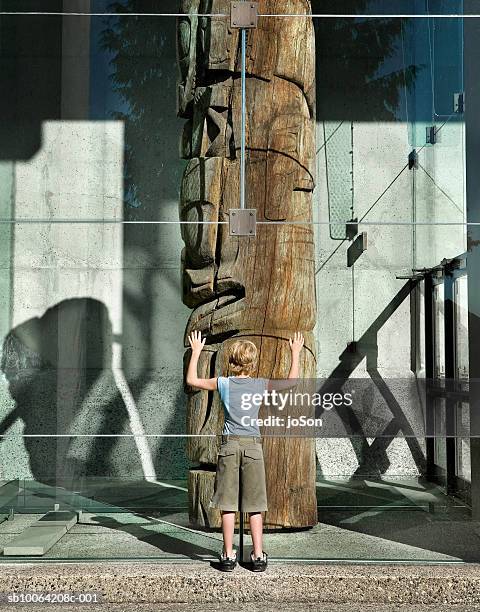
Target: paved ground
251,608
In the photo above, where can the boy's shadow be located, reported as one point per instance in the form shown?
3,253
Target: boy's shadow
164,542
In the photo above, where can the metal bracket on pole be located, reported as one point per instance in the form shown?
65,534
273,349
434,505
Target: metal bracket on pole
243,221
352,228
459,102
413,160
358,246
243,14
432,134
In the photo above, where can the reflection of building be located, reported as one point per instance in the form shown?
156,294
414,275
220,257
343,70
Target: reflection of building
375,110
89,131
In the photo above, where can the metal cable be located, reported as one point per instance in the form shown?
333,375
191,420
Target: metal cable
222,15
121,222
244,117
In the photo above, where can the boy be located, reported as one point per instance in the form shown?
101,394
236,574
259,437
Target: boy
241,442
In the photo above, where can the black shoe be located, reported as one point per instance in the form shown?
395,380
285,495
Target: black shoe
259,564
227,564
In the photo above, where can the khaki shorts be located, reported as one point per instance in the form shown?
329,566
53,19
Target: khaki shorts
240,462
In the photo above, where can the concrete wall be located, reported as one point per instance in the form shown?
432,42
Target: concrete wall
60,267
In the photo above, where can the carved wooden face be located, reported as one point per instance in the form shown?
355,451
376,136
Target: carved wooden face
200,201
183,46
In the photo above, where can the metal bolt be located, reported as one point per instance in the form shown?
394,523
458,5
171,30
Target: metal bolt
234,23
251,214
233,231
233,214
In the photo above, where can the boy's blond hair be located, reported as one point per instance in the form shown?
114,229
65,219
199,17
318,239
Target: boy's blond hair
243,357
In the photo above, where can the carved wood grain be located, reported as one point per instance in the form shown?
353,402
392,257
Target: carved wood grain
261,288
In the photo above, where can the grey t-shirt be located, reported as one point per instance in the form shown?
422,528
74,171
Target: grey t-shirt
241,403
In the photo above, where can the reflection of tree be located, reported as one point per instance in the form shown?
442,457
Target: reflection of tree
356,77
140,46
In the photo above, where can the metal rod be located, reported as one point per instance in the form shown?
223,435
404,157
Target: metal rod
223,15
342,435
343,223
241,524
243,129
372,16
127,14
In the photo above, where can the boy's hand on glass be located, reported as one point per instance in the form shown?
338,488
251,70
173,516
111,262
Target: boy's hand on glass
296,343
196,342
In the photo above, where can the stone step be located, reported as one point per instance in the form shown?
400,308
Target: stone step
282,583
37,539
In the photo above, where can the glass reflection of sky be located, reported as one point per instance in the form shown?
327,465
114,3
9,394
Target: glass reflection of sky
105,101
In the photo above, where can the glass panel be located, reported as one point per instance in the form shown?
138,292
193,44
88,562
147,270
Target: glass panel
424,188
446,36
419,331
439,330
92,405
461,326
463,462
130,123
440,430
463,442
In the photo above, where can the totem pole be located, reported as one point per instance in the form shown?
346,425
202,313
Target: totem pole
259,288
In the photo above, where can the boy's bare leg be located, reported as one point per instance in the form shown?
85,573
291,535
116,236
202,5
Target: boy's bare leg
228,527
256,529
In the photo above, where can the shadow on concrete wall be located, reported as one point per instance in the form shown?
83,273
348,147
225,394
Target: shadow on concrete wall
372,457
55,365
